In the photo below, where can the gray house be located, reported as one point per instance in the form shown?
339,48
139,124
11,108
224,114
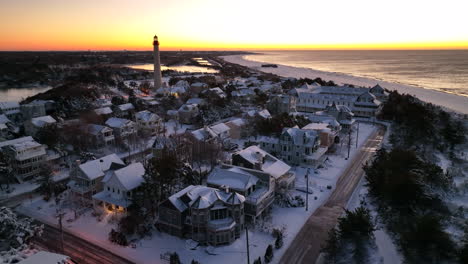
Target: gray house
204,214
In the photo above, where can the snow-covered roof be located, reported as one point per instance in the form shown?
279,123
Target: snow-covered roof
220,128
15,141
269,164
301,136
199,84
43,257
196,101
130,177
264,113
103,111
237,122
188,107
203,133
4,119
126,107
9,105
116,122
233,178
96,168
94,129
43,120
146,116
317,126
201,197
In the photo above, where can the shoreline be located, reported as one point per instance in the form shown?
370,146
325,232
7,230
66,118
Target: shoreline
450,101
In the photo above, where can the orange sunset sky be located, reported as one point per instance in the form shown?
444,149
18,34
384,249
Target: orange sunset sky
232,25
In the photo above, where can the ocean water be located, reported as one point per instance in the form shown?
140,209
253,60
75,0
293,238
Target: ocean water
442,70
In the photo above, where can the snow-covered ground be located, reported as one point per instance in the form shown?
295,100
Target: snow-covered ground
450,101
17,189
148,250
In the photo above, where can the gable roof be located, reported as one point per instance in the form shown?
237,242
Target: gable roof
130,177
146,116
116,122
43,120
103,111
269,164
96,168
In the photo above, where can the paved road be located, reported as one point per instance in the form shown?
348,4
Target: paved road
79,250
305,248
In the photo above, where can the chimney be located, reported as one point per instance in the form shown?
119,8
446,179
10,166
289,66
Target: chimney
224,188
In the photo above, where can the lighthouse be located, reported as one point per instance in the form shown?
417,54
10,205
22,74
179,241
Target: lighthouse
157,64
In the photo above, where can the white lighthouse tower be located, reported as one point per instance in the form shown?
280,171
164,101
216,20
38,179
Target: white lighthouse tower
157,64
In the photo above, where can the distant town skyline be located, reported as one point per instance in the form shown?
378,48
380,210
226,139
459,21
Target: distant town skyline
228,25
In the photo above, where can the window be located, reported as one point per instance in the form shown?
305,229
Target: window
108,188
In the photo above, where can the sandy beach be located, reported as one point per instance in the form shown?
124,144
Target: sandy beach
451,101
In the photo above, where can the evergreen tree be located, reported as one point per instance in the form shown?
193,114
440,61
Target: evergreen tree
174,259
268,254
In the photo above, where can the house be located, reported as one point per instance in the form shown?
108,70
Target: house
188,113
172,114
328,133
243,96
119,187
196,101
221,131
6,127
281,103
26,157
359,100
197,87
105,112
86,179
11,110
33,109
379,93
256,186
149,123
260,114
296,147
124,110
215,93
99,136
218,133
256,158
32,126
124,129
341,113
238,128
204,214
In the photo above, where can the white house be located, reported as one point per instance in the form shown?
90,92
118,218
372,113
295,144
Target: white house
32,126
148,122
256,158
124,129
25,155
86,178
119,186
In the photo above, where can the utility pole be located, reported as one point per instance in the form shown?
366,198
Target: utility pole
248,250
60,216
357,135
349,142
307,189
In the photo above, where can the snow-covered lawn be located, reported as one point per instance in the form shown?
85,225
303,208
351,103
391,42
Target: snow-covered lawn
148,250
